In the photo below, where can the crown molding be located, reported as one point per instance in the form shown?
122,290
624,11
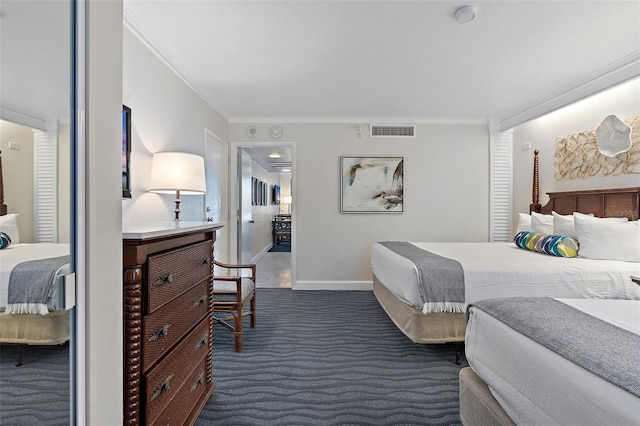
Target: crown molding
133,24
356,120
625,68
26,119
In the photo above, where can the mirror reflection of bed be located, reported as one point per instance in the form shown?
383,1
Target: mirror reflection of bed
27,317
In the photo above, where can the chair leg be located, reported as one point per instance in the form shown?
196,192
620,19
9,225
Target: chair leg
237,332
253,311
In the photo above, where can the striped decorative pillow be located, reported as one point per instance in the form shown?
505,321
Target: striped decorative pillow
555,245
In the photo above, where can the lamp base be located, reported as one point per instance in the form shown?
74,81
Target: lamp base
177,209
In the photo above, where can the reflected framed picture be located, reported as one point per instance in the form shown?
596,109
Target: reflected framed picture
126,151
371,185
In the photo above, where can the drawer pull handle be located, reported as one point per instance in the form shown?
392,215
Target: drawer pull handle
164,279
162,388
198,382
201,342
200,302
159,333
204,261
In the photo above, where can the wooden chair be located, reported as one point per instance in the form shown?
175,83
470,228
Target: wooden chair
281,229
231,294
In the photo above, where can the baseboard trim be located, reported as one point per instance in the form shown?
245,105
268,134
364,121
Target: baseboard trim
333,285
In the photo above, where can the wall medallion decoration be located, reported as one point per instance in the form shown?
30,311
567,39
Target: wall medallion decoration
578,156
613,136
371,185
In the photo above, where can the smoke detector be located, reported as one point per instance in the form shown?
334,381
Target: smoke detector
465,14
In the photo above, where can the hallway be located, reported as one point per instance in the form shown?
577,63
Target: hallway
274,270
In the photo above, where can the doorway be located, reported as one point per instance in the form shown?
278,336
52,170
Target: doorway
269,165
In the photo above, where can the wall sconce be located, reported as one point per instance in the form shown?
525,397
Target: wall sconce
178,172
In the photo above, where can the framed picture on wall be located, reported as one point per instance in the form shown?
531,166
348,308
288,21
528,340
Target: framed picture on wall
126,151
276,194
371,185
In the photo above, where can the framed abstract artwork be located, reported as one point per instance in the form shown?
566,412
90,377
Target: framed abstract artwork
371,185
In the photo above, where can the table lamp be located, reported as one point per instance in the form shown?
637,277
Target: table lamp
178,172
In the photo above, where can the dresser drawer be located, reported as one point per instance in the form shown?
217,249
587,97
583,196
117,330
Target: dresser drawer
177,410
164,327
166,381
169,274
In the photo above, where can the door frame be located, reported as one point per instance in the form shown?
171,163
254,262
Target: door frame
226,215
234,201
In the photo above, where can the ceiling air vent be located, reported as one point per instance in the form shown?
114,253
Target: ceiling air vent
393,131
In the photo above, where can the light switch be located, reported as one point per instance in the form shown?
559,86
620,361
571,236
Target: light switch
14,145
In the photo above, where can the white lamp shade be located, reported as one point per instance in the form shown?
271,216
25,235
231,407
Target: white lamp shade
287,199
177,171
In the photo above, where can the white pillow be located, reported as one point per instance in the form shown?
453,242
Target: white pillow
524,222
609,238
542,223
9,225
564,225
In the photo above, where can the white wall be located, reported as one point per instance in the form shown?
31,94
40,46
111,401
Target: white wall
102,289
166,115
17,168
261,229
445,190
622,100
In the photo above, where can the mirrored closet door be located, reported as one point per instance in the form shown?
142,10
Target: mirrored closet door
36,248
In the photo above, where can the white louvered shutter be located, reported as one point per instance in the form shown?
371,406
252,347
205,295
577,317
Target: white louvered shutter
45,194
500,186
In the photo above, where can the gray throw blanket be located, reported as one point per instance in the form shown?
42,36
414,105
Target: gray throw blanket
607,351
30,283
440,279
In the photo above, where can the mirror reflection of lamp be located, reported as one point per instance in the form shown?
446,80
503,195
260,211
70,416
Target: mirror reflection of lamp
178,172
287,200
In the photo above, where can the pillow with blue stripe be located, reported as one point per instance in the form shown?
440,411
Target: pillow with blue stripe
554,245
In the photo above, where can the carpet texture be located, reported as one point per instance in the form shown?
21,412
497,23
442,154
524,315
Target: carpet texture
37,392
329,358
315,358
282,247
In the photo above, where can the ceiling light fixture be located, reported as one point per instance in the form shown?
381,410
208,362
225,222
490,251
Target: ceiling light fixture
465,14
274,155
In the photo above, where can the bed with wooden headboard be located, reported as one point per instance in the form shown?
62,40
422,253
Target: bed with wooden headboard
33,329
503,270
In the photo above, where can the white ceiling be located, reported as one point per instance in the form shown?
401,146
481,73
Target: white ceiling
349,60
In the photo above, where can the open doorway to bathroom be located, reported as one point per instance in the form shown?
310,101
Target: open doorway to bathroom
265,197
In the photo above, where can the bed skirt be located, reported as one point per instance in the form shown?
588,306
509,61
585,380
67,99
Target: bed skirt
50,329
477,404
421,328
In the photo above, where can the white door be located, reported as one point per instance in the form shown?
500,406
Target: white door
244,207
217,197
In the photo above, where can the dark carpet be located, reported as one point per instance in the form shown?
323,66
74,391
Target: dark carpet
37,392
282,247
329,358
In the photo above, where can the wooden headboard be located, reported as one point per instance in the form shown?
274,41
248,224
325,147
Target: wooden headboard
3,206
616,202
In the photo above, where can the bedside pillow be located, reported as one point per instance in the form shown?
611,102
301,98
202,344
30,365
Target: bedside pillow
554,245
9,225
524,222
542,223
564,224
609,238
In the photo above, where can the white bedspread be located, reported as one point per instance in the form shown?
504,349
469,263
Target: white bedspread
504,270
535,386
17,253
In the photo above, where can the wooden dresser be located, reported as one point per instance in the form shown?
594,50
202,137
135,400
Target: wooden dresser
168,323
